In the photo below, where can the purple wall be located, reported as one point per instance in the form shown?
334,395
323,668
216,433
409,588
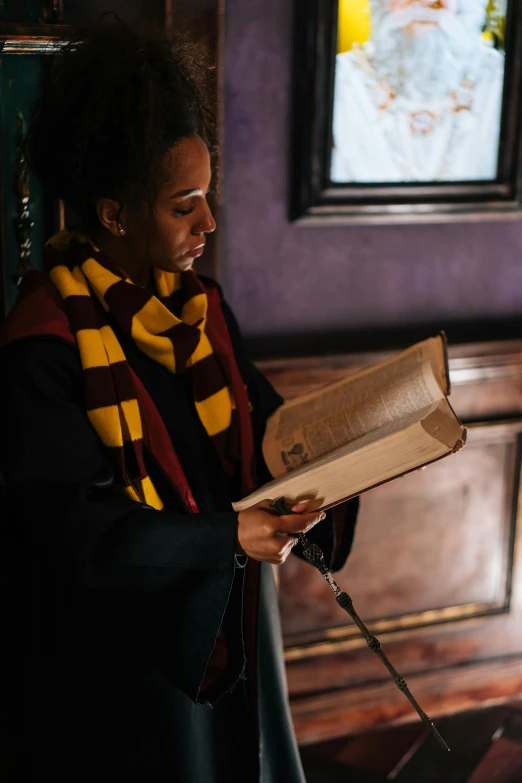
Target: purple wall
289,280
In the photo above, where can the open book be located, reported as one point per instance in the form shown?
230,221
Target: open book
354,434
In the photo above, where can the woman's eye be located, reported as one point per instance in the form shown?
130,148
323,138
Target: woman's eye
182,212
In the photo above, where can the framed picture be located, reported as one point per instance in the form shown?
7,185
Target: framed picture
407,110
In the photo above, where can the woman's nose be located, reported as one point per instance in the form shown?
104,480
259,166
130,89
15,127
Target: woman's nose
206,223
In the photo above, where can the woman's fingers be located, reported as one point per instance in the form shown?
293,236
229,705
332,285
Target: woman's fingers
282,546
264,535
298,523
301,506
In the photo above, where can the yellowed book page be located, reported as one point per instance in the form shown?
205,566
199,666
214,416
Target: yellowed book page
320,422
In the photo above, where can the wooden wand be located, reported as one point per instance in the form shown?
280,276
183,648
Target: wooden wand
315,557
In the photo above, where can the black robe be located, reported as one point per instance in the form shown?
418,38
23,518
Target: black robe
113,608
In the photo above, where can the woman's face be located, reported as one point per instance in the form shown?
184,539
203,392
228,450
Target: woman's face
174,235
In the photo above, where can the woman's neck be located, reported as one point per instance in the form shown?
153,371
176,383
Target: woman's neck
119,250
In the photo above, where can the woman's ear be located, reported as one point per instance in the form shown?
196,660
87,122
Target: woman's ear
111,215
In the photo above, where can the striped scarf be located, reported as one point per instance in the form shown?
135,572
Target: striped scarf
181,344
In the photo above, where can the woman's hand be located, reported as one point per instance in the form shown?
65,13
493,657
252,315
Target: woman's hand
264,536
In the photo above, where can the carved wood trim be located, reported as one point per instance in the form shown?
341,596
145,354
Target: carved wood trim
469,363
443,692
33,39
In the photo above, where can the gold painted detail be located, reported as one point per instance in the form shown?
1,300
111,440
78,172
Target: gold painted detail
23,222
344,638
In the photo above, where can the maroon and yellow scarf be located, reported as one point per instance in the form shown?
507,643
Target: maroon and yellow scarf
181,328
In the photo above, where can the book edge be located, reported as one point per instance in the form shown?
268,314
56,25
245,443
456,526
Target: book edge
458,445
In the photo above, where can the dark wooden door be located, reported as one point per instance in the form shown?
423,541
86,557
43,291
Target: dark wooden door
436,569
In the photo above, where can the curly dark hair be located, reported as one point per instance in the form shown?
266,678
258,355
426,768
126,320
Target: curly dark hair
114,102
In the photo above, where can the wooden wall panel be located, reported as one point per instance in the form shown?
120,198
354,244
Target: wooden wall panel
431,542
435,568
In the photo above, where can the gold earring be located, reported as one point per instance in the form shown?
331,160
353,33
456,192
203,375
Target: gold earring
121,231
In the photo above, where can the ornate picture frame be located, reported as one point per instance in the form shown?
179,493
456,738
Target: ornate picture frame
316,197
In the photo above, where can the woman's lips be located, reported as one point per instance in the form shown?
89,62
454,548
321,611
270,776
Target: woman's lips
195,252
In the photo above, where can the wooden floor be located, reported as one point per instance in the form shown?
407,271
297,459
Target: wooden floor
486,747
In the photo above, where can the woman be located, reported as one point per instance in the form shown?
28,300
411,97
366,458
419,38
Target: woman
131,419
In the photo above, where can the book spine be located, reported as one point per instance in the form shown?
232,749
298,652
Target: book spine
446,362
